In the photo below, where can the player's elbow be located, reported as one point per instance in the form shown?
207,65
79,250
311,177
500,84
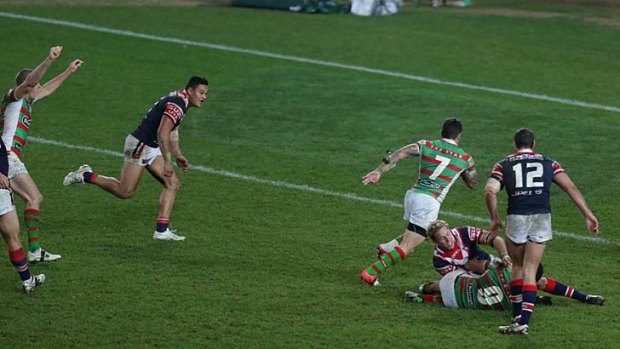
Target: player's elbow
472,183
490,191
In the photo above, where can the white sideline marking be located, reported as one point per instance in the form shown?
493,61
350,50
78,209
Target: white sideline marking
128,33
307,188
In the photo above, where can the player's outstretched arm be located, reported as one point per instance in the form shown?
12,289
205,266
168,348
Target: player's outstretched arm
389,162
564,181
52,85
33,78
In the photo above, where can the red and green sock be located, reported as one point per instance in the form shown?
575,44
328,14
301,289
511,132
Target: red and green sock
32,218
389,259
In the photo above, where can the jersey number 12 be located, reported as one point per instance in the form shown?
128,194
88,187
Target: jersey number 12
531,177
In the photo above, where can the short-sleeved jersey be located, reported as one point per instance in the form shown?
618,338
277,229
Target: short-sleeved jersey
15,120
488,291
527,177
441,164
466,240
174,106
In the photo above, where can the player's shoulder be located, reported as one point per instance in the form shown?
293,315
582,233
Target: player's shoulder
177,97
9,97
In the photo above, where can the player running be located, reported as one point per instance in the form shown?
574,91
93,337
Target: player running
151,146
442,162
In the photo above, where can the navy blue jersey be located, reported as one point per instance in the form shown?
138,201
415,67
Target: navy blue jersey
527,177
466,240
174,106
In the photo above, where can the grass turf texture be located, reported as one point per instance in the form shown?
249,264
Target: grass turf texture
269,267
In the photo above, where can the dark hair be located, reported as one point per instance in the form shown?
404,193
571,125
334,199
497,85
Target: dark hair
524,138
21,76
539,272
451,128
194,81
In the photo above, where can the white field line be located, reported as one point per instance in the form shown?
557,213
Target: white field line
307,188
298,59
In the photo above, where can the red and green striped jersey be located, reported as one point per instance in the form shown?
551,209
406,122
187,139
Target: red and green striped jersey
15,118
441,164
488,291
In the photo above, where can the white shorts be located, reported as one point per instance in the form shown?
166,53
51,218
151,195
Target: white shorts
535,227
16,166
446,286
139,153
420,209
6,202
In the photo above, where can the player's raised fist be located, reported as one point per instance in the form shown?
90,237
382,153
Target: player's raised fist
55,52
75,65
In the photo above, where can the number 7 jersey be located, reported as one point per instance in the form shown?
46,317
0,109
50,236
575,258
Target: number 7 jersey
441,164
527,177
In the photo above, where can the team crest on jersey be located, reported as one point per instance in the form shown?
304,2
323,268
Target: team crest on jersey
26,122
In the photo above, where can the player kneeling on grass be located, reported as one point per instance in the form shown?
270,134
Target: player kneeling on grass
151,146
490,291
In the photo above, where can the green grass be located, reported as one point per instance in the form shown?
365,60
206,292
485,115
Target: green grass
271,267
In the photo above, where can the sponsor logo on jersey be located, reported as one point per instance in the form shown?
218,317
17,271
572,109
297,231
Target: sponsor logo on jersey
470,292
174,111
429,183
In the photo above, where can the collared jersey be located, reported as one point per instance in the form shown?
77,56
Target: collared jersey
527,177
15,120
174,106
466,240
441,164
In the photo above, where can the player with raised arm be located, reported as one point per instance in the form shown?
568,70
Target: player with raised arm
442,162
9,222
527,177
16,128
152,146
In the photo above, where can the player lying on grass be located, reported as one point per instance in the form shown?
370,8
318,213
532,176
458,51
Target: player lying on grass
457,257
491,290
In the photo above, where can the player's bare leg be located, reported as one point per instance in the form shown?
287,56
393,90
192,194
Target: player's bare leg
531,253
411,240
25,187
9,228
166,200
126,186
